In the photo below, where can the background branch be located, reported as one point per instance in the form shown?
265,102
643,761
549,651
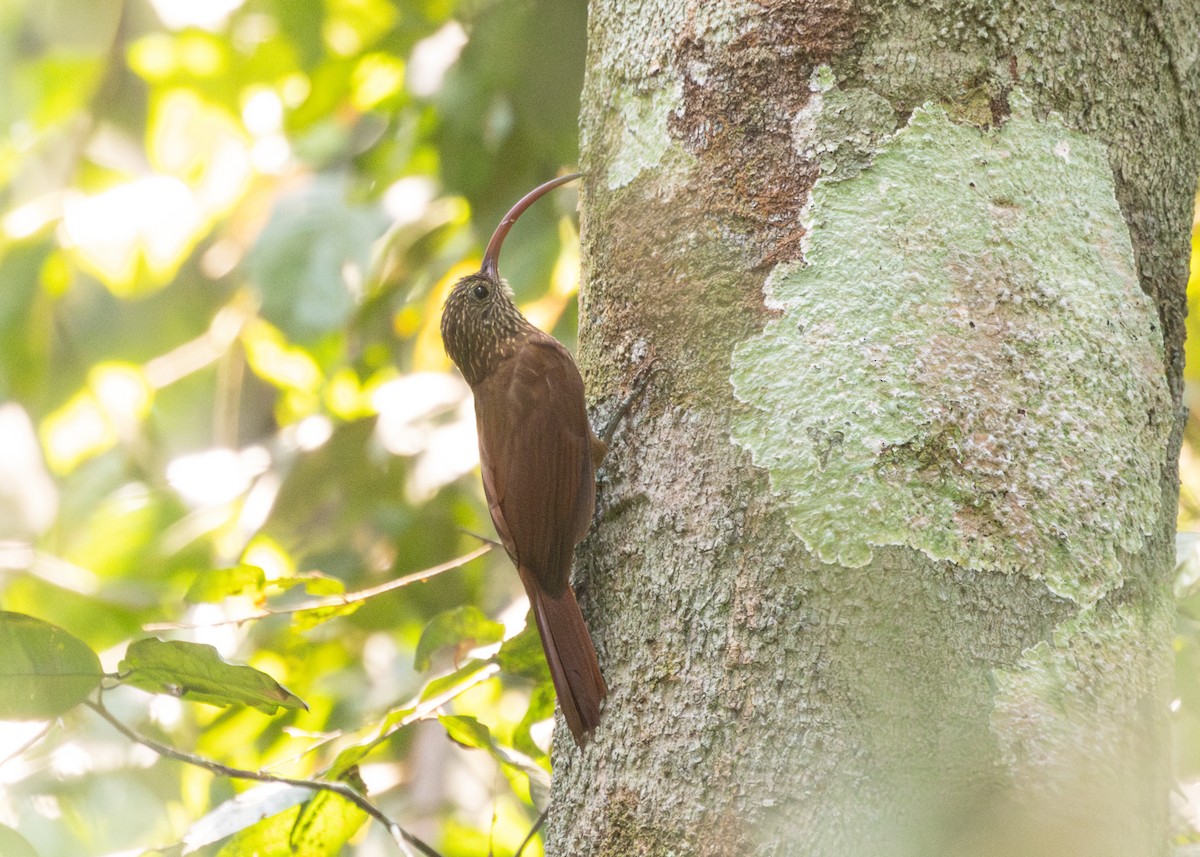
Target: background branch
329,601
402,836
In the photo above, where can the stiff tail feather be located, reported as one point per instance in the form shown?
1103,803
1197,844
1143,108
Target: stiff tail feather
572,660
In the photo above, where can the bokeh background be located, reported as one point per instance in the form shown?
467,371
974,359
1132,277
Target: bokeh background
226,230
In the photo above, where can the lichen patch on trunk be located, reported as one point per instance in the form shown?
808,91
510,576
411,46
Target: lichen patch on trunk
1062,719
645,140
964,362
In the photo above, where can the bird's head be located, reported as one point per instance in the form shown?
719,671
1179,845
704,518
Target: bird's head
479,319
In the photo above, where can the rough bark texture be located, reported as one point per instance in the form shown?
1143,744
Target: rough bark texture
880,559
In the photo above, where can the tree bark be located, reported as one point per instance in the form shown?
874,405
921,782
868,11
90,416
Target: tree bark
880,559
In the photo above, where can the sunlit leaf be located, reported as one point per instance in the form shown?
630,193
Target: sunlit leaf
246,809
326,823
201,144
44,670
541,707
134,236
266,553
463,677
314,585
318,828
187,56
219,583
345,396
464,627
116,399
352,755
317,584
197,672
523,655
75,432
469,732
307,619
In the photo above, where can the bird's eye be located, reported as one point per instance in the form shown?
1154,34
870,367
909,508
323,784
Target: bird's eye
480,291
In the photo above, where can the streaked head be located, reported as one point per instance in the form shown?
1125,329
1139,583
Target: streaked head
480,322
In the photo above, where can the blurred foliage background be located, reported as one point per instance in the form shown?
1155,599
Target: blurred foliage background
226,231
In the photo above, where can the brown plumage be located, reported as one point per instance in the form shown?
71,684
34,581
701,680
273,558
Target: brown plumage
538,456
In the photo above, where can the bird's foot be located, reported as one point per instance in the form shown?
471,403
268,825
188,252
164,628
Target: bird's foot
637,386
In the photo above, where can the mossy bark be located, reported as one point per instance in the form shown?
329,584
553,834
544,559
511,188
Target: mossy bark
881,557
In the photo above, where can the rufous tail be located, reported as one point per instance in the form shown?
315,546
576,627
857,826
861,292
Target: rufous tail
572,659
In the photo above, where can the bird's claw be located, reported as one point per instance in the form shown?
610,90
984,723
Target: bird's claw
641,379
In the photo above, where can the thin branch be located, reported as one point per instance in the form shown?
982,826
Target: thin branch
325,603
537,825
481,538
425,707
41,733
420,710
343,790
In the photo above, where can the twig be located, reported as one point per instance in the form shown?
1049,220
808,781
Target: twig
481,538
343,790
343,600
420,710
41,733
537,825
423,708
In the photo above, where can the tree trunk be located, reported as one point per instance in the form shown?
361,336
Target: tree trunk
880,559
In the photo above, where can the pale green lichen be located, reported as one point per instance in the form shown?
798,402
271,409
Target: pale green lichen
1070,701
645,135
840,128
965,364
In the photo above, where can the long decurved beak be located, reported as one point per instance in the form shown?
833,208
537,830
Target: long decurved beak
491,256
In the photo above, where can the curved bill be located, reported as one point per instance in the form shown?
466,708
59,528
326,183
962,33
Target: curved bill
491,256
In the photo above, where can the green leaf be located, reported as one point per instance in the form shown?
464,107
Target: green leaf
220,583
313,584
13,844
541,707
465,626
523,655
467,731
307,619
325,824
464,676
44,670
316,585
470,733
195,671
243,811
352,755
321,585
318,828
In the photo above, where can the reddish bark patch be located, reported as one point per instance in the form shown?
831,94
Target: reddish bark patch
739,102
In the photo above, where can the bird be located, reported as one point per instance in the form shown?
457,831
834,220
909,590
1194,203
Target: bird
537,455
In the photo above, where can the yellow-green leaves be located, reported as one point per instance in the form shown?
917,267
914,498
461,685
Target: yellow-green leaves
463,627
44,671
197,672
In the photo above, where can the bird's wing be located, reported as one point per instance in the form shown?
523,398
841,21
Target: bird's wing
535,453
